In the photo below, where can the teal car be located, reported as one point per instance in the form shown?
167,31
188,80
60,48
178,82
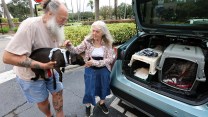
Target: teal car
163,70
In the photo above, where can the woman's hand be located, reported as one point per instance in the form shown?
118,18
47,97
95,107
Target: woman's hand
89,63
67,43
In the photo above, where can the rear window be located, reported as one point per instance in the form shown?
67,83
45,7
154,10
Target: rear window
174,12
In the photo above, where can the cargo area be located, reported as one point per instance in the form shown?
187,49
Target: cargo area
175,66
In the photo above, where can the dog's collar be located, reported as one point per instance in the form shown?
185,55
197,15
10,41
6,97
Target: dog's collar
63,51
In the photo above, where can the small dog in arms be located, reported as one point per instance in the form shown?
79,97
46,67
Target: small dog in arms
61,56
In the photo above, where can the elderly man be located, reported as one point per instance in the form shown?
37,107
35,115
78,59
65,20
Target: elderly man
33,33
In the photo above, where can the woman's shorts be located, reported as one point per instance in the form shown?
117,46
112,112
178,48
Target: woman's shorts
38,91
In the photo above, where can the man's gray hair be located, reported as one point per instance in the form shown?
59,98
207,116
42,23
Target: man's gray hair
52,6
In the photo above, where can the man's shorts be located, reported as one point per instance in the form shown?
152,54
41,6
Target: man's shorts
38,91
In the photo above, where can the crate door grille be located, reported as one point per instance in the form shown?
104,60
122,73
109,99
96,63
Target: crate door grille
179,73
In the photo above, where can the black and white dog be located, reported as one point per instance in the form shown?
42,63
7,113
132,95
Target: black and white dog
61,56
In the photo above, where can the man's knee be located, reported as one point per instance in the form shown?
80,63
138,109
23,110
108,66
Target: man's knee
57,94
44,104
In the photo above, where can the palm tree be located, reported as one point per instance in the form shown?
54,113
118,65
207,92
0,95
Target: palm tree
96,9
110,13
115,8
6,11
72,10
78,10
31,8
83,6
125,10
90,3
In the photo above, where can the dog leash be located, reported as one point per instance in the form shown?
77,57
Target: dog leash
63,51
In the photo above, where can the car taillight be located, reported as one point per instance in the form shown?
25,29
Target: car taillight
115,55
115,50
118,53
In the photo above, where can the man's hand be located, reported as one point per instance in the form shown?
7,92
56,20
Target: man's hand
49,65
24,61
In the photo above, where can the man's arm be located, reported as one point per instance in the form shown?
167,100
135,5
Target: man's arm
24,61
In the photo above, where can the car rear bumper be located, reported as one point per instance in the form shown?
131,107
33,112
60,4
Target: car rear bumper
140,105
152,103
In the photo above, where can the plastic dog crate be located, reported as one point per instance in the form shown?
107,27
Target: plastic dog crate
144,62
182,67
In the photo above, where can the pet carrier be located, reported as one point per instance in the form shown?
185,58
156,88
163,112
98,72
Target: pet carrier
182,67
144,62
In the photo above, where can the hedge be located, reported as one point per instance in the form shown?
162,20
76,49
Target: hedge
111,21
4,30
14,20
121,32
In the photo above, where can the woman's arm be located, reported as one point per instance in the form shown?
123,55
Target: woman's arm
78,49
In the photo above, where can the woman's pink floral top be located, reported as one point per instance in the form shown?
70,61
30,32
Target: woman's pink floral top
87,47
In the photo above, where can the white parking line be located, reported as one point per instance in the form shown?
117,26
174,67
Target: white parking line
6,76
115,105
129,114
97,99
124,110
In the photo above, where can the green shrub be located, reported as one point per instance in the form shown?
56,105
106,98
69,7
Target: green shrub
14,20
121,32
76,33
111,21
4,29
4,20
15,29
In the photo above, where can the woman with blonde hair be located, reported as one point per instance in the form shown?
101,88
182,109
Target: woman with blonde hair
98,57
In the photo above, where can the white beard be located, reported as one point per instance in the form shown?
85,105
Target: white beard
56,30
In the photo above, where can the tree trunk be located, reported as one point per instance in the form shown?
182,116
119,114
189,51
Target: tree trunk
83,6
96,10
78,11
125,10
110,13
115,8
6,11
72,12
31,9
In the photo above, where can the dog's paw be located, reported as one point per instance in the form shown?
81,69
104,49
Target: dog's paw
34,79
46,79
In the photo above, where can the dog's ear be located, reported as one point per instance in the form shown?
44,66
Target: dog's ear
80,60
81,56
63,70
73,58
67,56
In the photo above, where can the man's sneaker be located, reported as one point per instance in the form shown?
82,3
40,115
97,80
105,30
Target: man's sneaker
104,108
88,111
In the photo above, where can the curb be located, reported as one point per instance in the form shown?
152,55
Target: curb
2,37
70,67
8,75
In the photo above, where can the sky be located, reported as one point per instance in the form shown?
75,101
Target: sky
83,4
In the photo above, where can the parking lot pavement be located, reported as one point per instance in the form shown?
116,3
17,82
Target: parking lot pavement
13,103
